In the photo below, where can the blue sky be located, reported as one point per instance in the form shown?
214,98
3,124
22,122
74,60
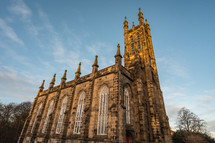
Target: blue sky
39,38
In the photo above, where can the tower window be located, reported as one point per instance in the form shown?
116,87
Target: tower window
103,112
132,46
47,116
61,116
138,40
126,103
79,114
35,120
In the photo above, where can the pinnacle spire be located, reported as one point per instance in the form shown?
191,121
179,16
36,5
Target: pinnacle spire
118,51
96,61
140,10
140,17
64,75
53,79
146,22
52,82
125,25
79,69
42,85
133,25
125,19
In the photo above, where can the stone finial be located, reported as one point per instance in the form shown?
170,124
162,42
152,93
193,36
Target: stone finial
42,85
147,28
140,17
118,51
133,25
53,79
125,25
78,72
96,61
146,22
63,80
64,75
79,69
95,65
118,57
52,82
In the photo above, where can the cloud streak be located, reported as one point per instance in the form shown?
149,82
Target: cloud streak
9,32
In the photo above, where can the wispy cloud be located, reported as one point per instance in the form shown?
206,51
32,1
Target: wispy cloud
21,9
173,67
9,32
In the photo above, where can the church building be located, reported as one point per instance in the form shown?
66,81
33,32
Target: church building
122,104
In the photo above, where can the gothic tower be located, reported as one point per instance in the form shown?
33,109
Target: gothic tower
139,59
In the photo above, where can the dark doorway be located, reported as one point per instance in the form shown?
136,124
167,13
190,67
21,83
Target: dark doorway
129,137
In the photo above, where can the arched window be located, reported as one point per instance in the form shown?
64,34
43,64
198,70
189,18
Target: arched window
103,111
35,120
138,40
79,114
132,46
47,116
60,119
126,103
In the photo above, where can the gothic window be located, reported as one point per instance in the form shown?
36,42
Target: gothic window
132,46
138,40
61,116
150,61
79,114
35,120
126,103
47,116
103,111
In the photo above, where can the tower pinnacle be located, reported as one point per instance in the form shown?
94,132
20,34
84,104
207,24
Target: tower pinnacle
118,51
52,82
140,17
41,87
78,72
125,25
95,65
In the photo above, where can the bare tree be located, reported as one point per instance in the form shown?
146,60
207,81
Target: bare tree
12,118
190,122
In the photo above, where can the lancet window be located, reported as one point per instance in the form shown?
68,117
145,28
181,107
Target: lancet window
126,103
35,120
61,116
138,40
103,111
47,116
132,46
79,114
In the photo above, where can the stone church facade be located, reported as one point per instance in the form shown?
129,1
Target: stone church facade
115,104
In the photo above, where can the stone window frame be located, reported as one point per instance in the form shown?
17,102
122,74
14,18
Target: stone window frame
138,40
102,125
38,113
127,105
132,45
61,115
79,114
47,116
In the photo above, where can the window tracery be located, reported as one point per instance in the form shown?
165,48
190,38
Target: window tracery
126,103
47,116
35,120
103,111
61,116
79,114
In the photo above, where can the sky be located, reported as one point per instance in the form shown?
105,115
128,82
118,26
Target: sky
39,38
